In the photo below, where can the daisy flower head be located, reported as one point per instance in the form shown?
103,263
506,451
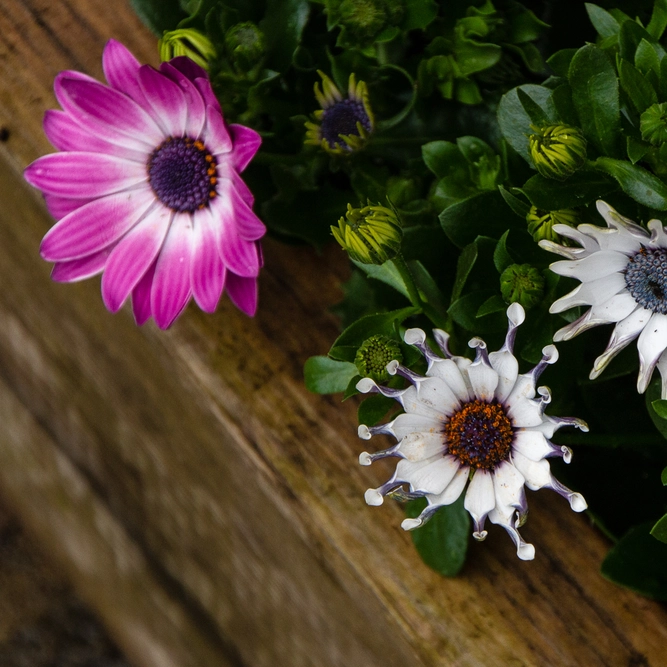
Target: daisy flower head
474,426
146,188
623,275
343,124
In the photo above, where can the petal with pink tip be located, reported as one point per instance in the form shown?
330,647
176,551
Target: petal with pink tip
121,70
210,99
141,297
133,256
80,269
246,143
59,207
60,94
196,109
166,99
68,135
104,109
80,175
207,269
239,256
232,210
95,226
188,67
171,289
241,187
243,293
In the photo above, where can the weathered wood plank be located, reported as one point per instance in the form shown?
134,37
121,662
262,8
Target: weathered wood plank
239,488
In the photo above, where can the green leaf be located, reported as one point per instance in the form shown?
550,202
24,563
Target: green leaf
501,256
386,273
159,15
603,22
636,149
584,186
515,122
663,477
658,21
493,304
373,408
328,376
659,531
464,266
444,158
562,100
346,345
464,312
442,542
639,91
534,111
484,214
637,561
646,58
419,14
517,205
282,26
636,182
660,407
560,61
595,95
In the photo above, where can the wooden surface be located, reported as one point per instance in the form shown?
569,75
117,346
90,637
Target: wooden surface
209,507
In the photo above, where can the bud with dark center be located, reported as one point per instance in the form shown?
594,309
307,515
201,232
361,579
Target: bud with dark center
374,355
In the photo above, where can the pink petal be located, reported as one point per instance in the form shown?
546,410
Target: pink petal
133,256
243,293
188,67
246,143
68,135
239,255
59,207
230,207
103,109
210,98
62,76
95,225
195,104
171,289
80,175
141,297
241,187
207,272
121,70
215,134
80,269
167,100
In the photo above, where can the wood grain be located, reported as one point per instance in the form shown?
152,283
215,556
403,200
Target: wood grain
236,490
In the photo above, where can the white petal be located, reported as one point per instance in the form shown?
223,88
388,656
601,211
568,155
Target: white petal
612,239
405,423
480,500
431,478
418,446
614,219
507,368
623,334
662,368
483,379
658,233
453,489
588,245
508,485
447,370
524,550
524,412
592,293
434,393
410,399
590,268
536,473
650,345
533,445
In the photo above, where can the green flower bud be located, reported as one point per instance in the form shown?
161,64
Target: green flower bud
653,124
557,150
374,355
244,45
370,235
522,283
541,223
186,42
363,18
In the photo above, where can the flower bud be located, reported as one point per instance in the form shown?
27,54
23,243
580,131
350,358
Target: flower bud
374,355
557,150
541,223
244,45
186,42
522,283
653,124
370,235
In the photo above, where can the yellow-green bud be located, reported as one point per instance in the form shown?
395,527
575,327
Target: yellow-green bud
186,42
522,283
541,223
557,150
244,45
374,355
653,124
370,235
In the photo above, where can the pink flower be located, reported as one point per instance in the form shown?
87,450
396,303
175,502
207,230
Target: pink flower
146,189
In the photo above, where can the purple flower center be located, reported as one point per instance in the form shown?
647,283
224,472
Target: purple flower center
182,174
646,279
341,119
480,434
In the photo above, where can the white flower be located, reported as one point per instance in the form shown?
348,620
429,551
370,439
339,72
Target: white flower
623,274
472,420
